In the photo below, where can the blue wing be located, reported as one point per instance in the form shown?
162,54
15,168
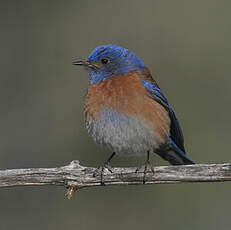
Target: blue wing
174,150
176,135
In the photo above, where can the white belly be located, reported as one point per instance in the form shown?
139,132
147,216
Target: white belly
122,134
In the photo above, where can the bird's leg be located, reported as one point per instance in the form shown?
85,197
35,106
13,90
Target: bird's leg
105,165
147,165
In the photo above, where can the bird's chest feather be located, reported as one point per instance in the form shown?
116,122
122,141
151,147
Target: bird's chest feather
120,114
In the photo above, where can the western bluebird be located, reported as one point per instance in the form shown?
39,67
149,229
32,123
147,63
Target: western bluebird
126,111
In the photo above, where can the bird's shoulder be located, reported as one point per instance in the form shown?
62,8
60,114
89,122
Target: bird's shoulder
145,75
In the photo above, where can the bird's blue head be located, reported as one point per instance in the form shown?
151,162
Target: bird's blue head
108,60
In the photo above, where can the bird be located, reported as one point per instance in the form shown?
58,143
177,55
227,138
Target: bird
126,111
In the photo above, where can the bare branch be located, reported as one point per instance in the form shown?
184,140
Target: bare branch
74,176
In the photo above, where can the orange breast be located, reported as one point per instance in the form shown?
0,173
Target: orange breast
125,94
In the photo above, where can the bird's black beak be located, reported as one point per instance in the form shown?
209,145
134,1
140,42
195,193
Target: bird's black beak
86,63
81,62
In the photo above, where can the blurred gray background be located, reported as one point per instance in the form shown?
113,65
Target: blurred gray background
186,45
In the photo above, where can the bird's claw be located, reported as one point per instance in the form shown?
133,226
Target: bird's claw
147,167
100,171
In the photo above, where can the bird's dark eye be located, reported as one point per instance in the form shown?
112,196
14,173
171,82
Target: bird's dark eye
104,61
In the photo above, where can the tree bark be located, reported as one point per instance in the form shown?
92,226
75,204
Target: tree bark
74,176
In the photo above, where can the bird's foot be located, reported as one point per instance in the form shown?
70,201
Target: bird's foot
147,167
100,170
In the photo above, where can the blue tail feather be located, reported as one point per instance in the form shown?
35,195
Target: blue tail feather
180,153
